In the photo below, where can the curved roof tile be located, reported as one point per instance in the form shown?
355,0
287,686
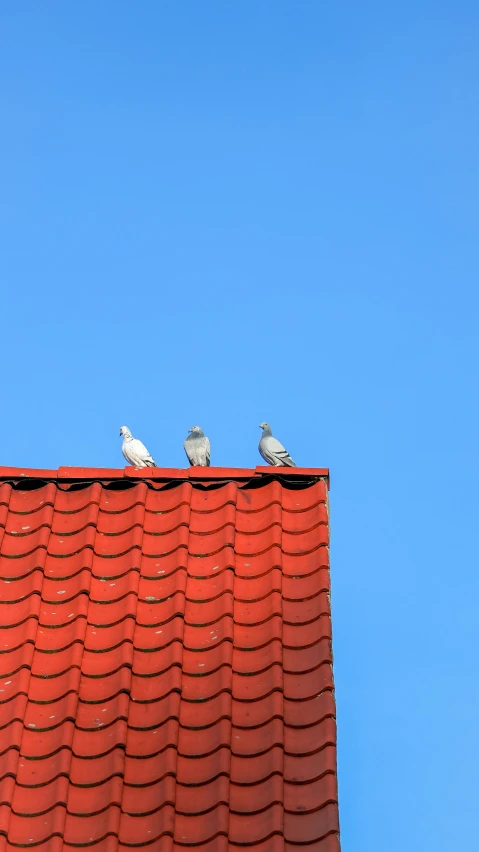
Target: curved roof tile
165,661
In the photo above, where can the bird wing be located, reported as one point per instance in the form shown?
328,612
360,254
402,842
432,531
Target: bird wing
198,451
141,453
277,452
189,454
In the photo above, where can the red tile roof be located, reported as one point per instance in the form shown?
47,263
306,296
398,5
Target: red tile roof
165,660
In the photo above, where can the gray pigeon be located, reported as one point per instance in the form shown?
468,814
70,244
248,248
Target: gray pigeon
197,447
272,451
134,451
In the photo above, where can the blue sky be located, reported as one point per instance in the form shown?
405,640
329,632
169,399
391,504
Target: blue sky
222,213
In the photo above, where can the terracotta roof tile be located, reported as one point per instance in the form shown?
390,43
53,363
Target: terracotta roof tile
165,661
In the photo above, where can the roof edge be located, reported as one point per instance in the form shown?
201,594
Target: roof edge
202,474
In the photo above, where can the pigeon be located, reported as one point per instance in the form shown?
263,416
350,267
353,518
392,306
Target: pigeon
134,451
197,447
272,451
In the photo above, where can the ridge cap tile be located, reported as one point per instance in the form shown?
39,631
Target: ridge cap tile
90,473
202,473
27,472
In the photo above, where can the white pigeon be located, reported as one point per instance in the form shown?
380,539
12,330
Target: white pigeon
197,447
272,450
135,451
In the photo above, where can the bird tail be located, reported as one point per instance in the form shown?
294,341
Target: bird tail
151,463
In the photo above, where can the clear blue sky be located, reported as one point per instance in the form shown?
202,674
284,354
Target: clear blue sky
220,213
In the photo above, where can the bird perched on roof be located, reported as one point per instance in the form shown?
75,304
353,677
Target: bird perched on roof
135,451
197,447
272,450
